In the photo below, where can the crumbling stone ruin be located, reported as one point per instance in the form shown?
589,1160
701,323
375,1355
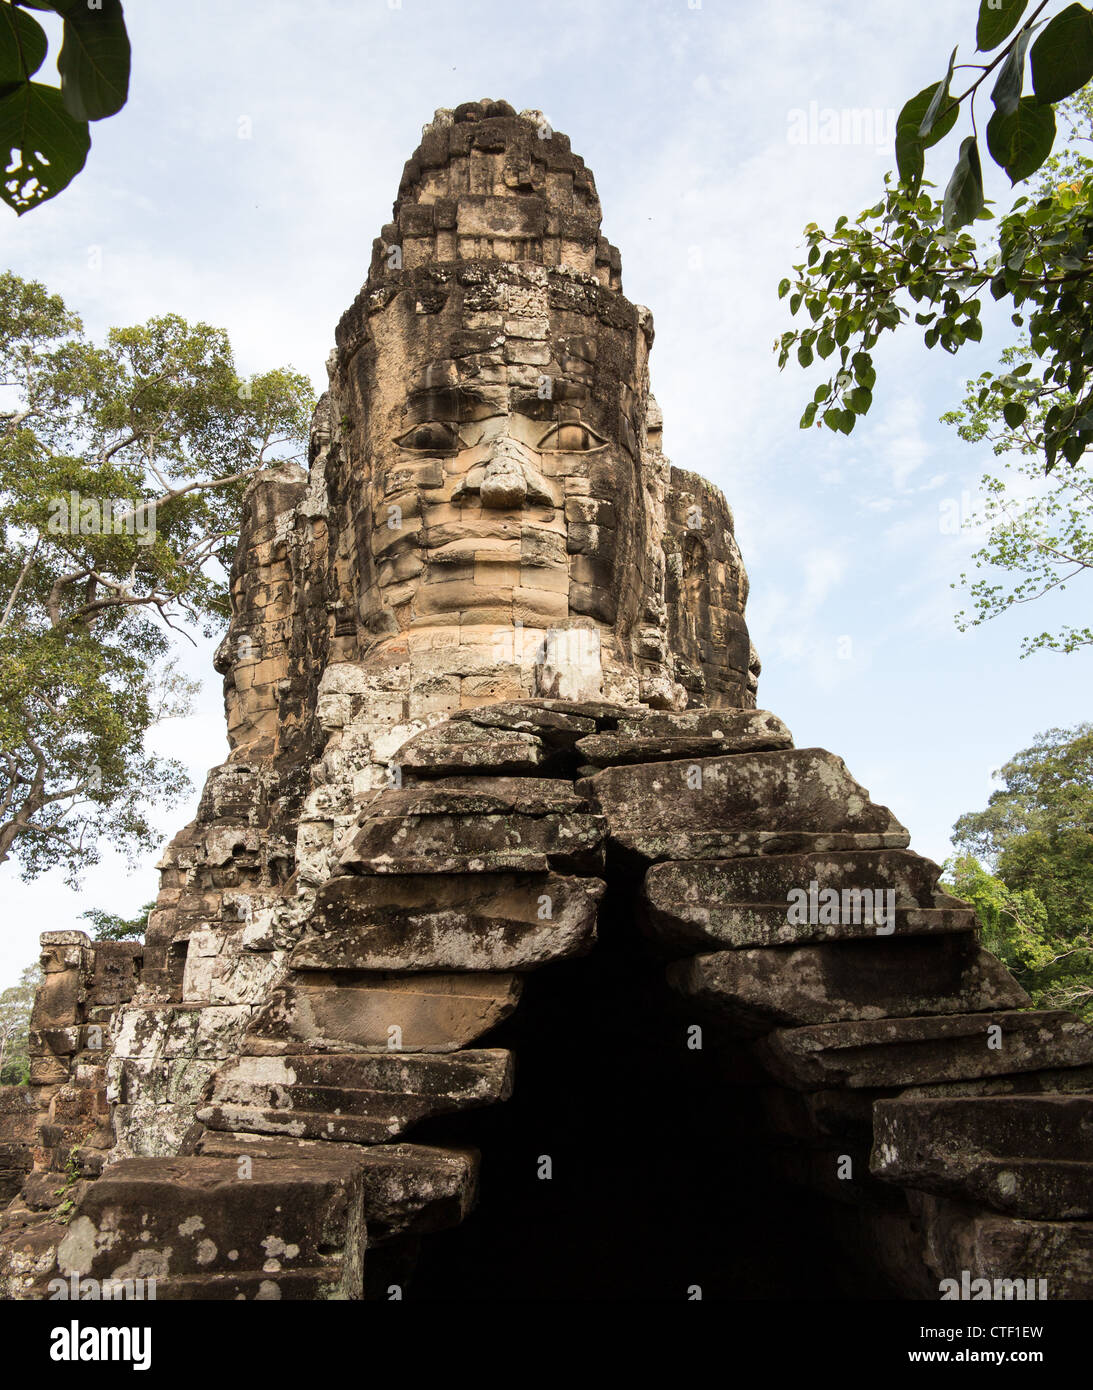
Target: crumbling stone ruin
513,952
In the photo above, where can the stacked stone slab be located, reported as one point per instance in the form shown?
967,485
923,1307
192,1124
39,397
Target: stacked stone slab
906,1078
454,885
903,1054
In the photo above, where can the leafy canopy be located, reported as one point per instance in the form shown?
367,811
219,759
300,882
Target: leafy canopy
109,926
16,1004
122,471
1037,829
1035,898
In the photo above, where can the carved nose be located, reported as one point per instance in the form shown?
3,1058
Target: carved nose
504,484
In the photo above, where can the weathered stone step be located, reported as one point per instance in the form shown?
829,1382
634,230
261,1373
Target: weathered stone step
528,796
1024,1155
558,727
1054,1080
357,1097
451,749
726,724
802,789
754,990
310,1285
202,1222
346,1011
919,1051
657,846
681,918
739,925
603,713
1052,1259
786,899
428,922
444,843
772,878
667,735
409,1189
385,1122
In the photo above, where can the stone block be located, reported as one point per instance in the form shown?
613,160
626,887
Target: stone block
317,1012
756,990
1029,1156
210,1227
921,1051
363,1098
429,922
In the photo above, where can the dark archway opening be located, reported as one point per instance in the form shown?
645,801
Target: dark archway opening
659,1176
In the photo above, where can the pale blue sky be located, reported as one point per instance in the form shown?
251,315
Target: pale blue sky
686,116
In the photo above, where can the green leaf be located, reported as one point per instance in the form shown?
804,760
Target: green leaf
964,195
941,92
783,289
864,370
1062,57
804,355
859,400
997,20
94,59
41,146
809,416
909,144
1022,141
1014,413
23,45
1011,76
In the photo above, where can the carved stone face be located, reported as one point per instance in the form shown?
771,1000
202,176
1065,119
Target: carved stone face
498,456
503,520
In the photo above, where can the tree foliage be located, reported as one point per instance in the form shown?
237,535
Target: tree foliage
122,470
1035,898
108,926
15,1006
913,254
1037,829
44,132
1057,972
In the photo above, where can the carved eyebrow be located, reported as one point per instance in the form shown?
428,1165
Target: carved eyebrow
534,407
444,402
564,392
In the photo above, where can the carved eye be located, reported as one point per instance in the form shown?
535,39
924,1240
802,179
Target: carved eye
571,437
431,437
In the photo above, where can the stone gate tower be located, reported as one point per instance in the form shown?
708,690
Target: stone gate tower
505,873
